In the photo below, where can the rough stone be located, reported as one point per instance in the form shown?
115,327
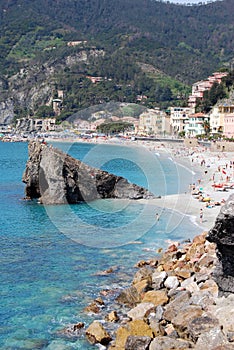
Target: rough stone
170,331
224,347
156,327
159,312
140,311
190,315
192,287
167,343
203,299
201,277
99,301
133,328
92,308
143,286
184,316
224,311
200,239
195,251
96,333
211,286
129,296
210,340
158,278
145,273
171,282
206,260
112,317
137,343
56,178
184,273
223,235
201,325
172,309
157,297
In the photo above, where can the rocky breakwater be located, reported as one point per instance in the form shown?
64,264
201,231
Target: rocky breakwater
54,177
223,235
173,303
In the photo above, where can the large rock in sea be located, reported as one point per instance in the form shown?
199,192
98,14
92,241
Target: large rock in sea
223,235
54,177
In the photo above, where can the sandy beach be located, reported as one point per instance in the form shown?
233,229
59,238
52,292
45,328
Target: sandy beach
210,169
214,183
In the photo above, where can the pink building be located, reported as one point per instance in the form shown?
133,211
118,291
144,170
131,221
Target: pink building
200,87
228,120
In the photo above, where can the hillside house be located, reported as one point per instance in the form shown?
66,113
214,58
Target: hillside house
216,120
178,118
195,124
200,87
35,124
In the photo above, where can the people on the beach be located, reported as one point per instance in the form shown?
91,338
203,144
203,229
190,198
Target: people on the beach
157,216
201,215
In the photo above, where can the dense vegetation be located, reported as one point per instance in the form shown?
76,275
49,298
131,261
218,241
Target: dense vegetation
114,127
122,80
149,52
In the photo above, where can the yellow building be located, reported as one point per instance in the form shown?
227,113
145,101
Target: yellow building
152,122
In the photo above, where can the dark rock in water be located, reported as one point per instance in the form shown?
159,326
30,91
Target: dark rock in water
92,308
223,235
56,178
72,331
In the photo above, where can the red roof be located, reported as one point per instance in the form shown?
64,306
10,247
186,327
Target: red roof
197,115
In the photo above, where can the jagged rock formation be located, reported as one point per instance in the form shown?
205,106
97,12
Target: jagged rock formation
6,112
56,178
33,85
223,235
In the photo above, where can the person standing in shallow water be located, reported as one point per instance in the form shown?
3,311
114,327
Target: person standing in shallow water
201,215
157,217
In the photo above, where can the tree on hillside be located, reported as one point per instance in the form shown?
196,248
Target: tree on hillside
229,80
45,112
211,97
114,127
206,127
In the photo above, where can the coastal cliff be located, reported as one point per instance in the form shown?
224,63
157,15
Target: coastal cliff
54,177
223,235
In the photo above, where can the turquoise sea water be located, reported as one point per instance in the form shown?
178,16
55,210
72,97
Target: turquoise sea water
50,256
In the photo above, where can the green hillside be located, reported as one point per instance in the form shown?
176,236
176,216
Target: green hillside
152,48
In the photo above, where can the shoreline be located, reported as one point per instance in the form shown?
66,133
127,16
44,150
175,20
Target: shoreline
174,301
199,161
208,168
